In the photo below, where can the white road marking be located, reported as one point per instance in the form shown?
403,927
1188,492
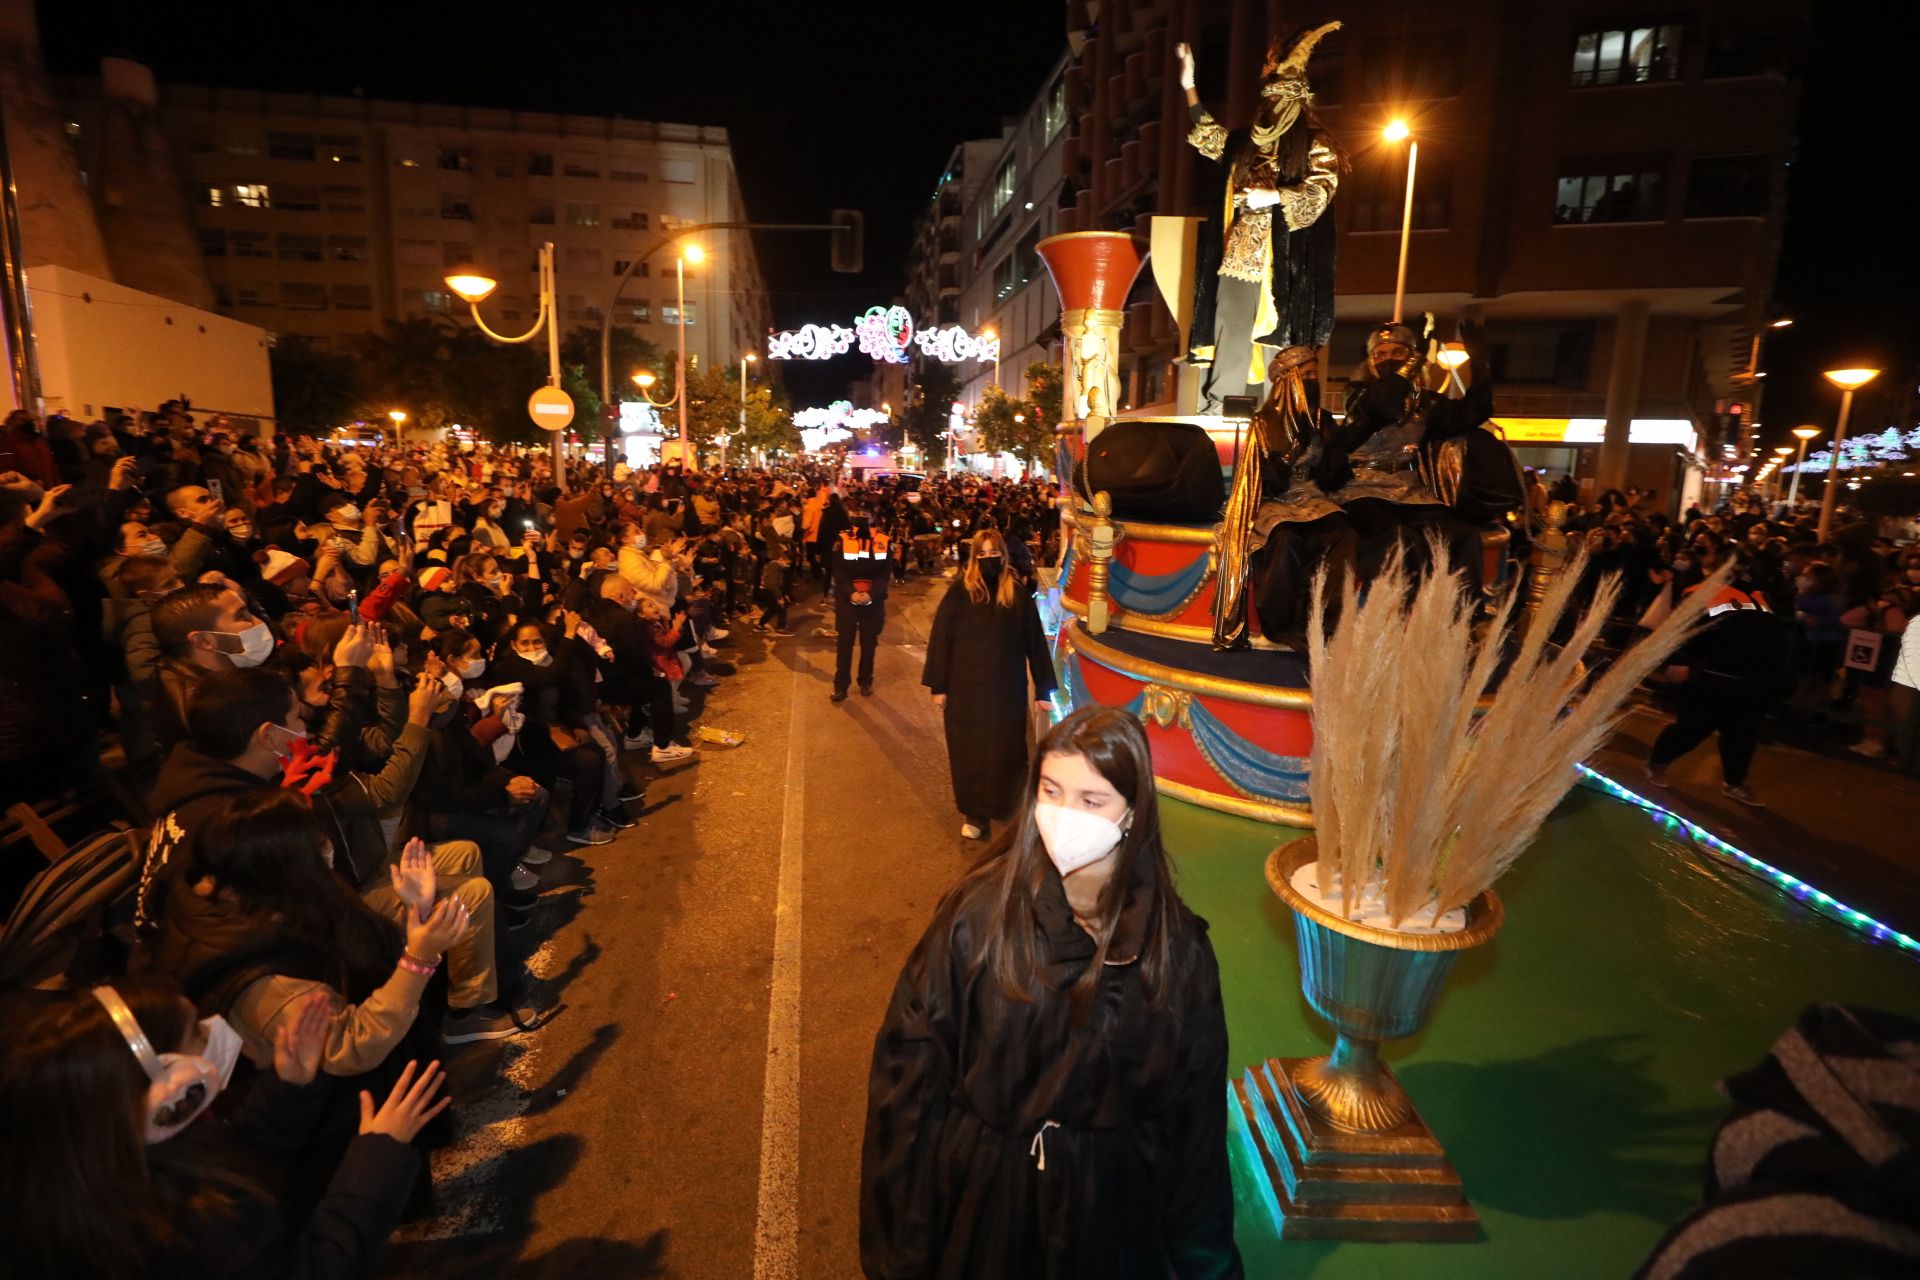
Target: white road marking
776,1229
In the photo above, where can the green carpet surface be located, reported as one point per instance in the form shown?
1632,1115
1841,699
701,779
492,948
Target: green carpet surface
1569,1066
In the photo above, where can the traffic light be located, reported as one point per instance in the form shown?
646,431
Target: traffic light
849,241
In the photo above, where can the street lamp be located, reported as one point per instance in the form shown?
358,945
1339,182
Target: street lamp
1397,131
399,416
1451,356
474,287
694,254
1849,381
1779,467
745,360
1805,434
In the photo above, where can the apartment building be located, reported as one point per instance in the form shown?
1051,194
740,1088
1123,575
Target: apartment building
327,217
1600,186
935,269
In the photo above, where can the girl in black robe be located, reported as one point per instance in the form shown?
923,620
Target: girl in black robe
986,641
1048,1095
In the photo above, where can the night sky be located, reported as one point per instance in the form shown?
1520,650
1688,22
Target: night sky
859,105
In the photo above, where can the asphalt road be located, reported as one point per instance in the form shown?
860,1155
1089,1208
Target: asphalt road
695,1107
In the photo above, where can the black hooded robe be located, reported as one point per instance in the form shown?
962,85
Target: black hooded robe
981,656
1004,1142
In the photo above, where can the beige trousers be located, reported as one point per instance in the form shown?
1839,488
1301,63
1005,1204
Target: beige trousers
470,971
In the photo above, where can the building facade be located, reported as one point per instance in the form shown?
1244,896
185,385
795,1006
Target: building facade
328,217
1599,194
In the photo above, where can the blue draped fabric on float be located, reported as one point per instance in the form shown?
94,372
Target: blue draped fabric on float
1247,765
1155,592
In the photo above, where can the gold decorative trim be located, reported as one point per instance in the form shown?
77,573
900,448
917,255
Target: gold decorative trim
1148,625
1167,707
1260,695
1484,914
1186,535
1280,815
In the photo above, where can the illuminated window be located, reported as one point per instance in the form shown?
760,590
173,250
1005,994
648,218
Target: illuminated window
1634,55
216,196
679,171
669,314
436,300
1056,116
1004,182
254,195
638,313
583,213
1613,194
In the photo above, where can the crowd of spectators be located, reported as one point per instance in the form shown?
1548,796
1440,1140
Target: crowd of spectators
1845,602
350,702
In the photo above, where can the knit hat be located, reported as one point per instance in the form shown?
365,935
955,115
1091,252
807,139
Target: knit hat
282,567
434,577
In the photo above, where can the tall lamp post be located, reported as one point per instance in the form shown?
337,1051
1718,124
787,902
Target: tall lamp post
1849,381
474,285
745,360
1800,464
1397,131
399,417
694,254
1780,467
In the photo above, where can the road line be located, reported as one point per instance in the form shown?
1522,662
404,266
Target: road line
776,1229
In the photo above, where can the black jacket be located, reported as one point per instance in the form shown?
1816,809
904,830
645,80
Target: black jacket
968,1088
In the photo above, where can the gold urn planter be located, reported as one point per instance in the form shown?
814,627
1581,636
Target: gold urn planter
1347,1154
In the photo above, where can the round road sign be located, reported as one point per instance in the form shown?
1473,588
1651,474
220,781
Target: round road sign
550,407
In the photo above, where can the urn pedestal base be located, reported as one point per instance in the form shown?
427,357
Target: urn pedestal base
1336,1184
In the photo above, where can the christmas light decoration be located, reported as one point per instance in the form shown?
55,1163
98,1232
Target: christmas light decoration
886,334
1799,888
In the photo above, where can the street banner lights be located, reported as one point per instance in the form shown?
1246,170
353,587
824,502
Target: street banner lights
550,407
1397,131
1800,464
1849,381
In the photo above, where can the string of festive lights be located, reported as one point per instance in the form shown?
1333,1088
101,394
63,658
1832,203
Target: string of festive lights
1798,888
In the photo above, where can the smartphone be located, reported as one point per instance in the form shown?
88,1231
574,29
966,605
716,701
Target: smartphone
353,605
218,491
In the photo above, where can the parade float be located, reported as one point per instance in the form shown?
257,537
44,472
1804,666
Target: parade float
1153,615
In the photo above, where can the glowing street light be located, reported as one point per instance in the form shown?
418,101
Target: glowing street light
643,379
474,286
1397,131
1784,322
1849,381
399,416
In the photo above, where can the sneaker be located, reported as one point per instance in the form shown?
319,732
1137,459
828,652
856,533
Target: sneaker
616,818
537,857
839,695
483,1022
703,680
1744,795
829,632
1870,748
1657,774
630,792
522,878
638,741
780,633
708,651
593,833
717,633
866,689
970,832
671,754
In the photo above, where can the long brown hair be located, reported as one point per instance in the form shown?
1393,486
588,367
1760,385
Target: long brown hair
976,582
1113,742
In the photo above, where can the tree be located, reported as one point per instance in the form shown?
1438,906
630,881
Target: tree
1007,425
929,405
314,390
1046,387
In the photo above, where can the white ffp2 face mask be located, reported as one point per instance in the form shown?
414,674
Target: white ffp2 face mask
1074,838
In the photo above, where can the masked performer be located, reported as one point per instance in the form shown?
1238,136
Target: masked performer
1275,246
1395,464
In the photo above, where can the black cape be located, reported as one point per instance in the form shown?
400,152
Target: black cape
971,1092
981,656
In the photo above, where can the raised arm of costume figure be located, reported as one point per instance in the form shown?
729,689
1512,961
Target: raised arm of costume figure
1303,202
1208,136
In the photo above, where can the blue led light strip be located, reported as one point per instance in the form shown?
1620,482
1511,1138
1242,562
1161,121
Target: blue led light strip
1792,884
